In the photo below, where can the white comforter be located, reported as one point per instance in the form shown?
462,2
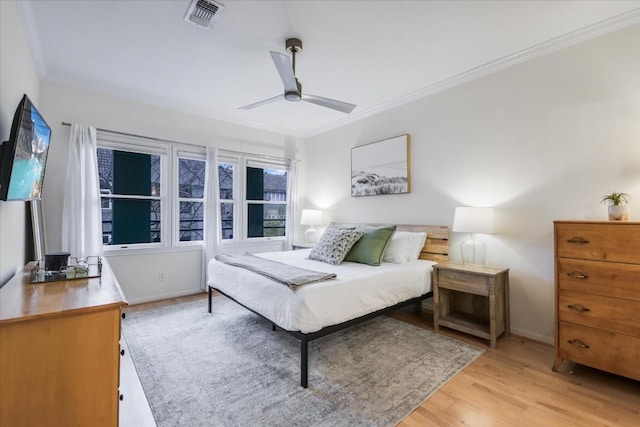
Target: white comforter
358,290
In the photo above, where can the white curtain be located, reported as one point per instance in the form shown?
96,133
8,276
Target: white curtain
291,205
81,214
211,211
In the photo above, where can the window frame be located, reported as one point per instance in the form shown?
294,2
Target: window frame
181,153
237,211
169,187
240,202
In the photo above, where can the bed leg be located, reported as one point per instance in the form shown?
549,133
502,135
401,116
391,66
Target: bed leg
304,362
210,292
417,307
273,327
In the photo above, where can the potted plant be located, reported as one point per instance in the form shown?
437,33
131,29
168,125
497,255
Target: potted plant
618,204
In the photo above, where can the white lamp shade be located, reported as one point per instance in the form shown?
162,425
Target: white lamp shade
473,220
311,217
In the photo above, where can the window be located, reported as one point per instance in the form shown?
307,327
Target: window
152,193
255,208
130,187
227,171
191,175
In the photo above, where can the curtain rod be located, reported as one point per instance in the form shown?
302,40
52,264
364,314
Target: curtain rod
263,156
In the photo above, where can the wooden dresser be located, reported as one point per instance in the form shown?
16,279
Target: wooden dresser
60,351
597,282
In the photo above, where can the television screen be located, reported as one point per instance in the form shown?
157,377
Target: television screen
23,158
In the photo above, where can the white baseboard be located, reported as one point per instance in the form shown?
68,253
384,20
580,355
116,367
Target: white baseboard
159,297
532,336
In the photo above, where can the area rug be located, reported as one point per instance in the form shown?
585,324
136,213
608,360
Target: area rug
228,368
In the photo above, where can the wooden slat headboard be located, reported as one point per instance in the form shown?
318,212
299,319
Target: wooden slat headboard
436,248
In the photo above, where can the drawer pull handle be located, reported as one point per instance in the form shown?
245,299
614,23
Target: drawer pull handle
578,240
578,307
577,275
464,279
578,343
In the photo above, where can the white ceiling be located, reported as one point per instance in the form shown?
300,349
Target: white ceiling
375,54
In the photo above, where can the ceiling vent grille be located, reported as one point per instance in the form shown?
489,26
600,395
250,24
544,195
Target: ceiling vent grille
203,13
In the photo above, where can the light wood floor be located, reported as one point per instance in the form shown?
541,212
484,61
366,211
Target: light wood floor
513,385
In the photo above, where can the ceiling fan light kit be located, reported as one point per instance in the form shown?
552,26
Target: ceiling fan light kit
292,87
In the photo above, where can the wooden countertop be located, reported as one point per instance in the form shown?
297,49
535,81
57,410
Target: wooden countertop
21,300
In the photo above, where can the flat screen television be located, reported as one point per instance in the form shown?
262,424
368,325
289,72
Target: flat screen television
24,156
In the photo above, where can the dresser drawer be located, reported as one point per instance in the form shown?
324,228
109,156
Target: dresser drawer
608,351
464,282
617,242
610,314
599,277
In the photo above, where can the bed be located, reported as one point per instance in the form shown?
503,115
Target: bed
358,293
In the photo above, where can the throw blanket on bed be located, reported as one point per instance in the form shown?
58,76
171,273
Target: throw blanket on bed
289,275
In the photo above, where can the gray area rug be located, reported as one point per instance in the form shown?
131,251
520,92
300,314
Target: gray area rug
229,368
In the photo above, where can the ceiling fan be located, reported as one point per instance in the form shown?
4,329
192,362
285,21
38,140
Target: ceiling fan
292,87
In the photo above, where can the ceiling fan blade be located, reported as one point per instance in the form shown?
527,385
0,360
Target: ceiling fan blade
345,107
283,64
263,102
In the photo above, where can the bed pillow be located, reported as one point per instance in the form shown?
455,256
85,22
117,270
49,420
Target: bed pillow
334,244
372,246
405,246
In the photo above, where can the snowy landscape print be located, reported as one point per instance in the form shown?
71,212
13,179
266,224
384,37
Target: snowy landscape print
381,167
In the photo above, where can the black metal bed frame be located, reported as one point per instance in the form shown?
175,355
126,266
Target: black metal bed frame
306,338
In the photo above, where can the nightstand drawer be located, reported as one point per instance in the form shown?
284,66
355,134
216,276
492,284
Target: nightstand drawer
463,282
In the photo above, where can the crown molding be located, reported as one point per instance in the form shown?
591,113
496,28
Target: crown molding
25,10
592,31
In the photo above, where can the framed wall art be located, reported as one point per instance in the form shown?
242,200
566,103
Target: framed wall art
381,167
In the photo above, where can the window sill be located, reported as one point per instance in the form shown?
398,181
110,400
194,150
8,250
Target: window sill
115,251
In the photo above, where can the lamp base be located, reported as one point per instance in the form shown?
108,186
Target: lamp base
474,252
311,235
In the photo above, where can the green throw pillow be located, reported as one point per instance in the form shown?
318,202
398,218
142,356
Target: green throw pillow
371,247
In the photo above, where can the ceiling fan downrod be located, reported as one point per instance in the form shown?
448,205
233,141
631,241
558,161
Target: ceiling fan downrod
294,46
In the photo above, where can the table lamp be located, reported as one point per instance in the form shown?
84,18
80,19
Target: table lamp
474,221
311,217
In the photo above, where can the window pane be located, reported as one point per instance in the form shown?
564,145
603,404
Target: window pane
266,184
130,221
105,170
226,219
191,178
191,220
225,177
107,221
266,220
123,172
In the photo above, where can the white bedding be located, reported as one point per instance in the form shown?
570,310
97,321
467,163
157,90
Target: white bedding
358,290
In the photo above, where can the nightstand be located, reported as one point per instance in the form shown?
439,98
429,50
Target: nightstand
471,299
297,246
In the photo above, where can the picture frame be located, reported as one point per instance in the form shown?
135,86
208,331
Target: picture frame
381,167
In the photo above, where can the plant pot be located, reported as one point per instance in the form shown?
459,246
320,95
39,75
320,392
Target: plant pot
618,212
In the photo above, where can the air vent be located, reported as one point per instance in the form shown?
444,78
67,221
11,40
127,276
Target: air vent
203,13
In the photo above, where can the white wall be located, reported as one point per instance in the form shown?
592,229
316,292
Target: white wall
140,275
541,141
17,77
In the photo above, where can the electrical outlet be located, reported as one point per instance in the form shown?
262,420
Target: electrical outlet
161,277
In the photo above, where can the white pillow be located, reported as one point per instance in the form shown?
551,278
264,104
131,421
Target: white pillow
405,246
